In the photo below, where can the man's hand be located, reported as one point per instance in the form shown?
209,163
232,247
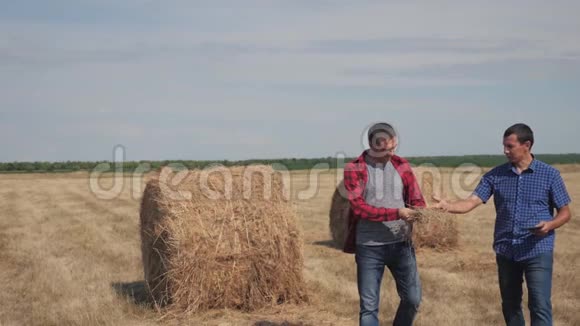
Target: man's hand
441,204
407,214
542,229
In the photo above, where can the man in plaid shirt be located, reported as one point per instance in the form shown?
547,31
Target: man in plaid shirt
383,191
526,192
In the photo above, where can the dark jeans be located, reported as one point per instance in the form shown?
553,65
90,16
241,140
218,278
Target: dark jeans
371,262
538,274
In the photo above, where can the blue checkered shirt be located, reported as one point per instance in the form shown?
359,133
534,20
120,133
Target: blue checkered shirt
521,202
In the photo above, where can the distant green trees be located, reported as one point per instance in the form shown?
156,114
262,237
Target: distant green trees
289,163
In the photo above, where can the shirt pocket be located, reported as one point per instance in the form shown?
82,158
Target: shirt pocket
538,203
505,189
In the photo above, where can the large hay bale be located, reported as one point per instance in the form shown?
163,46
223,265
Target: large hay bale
221,239
433,229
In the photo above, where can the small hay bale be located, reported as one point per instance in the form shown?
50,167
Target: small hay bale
339,211
433,229
218,240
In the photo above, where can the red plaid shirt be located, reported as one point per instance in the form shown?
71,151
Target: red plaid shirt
355,181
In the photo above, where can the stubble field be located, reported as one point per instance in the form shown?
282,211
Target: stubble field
70,258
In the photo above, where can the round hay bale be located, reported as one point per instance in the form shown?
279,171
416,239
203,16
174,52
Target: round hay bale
221,238
339,212
433,229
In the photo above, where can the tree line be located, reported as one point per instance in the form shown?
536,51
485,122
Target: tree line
288,163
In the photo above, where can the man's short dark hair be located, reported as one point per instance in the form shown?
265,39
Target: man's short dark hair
381,127
523,132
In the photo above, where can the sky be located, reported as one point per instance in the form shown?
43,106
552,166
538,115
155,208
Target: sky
207,80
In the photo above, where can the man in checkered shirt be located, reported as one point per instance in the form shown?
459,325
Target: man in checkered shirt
383,191
526,192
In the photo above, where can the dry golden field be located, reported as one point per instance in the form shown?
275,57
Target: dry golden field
69,258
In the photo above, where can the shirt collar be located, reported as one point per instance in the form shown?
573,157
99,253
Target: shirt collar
531,168
534,165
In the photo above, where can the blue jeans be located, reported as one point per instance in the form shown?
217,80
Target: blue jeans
538,274
400,259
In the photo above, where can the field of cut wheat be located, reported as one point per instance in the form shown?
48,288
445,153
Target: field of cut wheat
70,258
